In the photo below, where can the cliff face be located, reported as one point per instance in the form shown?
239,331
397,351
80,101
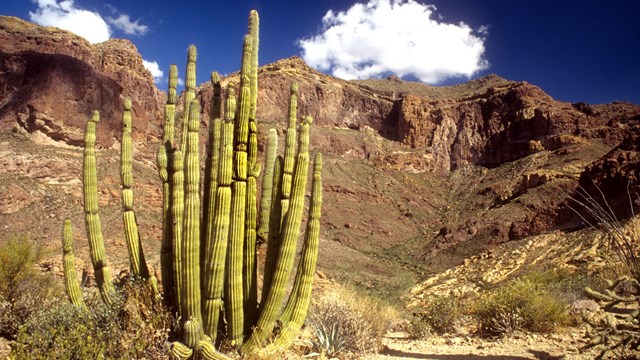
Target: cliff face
332,102
502,124
51,81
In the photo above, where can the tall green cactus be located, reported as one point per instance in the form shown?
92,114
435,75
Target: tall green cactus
166,171
92,215
132,235
71,284
209,260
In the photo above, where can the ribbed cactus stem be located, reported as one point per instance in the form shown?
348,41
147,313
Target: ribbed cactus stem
92,215
180,351
234,278
274,229
71,284
267,186
207,351
250,255
190,93
288,237
192,332
132,235
177,213
214,268
165,167
211,173
254,29
296,309
191,306
290,149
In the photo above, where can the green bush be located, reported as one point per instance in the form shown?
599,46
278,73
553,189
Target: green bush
522,304
441,314
24,289
134,327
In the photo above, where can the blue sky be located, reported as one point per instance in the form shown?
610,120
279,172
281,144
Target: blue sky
575,50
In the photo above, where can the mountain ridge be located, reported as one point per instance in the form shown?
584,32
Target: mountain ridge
414,183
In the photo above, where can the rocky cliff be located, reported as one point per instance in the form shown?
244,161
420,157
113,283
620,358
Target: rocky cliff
51,81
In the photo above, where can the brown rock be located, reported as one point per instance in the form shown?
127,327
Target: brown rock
51,81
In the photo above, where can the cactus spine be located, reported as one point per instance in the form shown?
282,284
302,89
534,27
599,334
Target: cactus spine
92,214
71,284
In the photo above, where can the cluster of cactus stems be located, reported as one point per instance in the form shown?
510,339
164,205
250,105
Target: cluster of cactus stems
621,336
209,247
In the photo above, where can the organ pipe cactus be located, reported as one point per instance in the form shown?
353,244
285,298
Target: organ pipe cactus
92,215
132,235
209,260
71,284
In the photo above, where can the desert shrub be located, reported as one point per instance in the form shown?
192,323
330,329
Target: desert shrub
440,314
65,331
520,305
24,289
342,316
327,340
134,327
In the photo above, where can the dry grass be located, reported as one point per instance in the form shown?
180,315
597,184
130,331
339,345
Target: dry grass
348,323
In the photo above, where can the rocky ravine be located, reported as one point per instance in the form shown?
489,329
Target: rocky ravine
417,178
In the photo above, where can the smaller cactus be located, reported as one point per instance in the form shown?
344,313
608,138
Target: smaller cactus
71,284
92,215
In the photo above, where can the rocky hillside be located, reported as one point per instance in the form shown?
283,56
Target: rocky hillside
51,79
417,178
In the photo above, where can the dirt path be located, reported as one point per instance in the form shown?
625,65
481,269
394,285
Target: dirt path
516,346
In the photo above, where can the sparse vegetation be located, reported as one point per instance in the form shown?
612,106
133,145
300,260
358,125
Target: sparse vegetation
619,336
522,304
132,327
24,290
349,322
440,315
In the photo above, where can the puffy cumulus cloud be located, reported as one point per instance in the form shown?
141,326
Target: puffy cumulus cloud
154,69
124,23
64,15
402,37
88,24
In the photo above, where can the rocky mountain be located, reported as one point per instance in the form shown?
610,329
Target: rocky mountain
51,79
417,178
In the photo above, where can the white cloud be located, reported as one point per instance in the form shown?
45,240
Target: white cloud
402,37
124,23
88,24
64,15
154,69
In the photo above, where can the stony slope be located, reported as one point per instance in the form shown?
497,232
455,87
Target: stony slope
417,178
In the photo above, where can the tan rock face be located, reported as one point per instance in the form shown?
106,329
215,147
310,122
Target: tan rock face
331,101
52,80
498,125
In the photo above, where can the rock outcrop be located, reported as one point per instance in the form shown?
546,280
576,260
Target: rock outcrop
331,101
503,123
51,80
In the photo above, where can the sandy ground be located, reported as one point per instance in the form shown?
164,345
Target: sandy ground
516,346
